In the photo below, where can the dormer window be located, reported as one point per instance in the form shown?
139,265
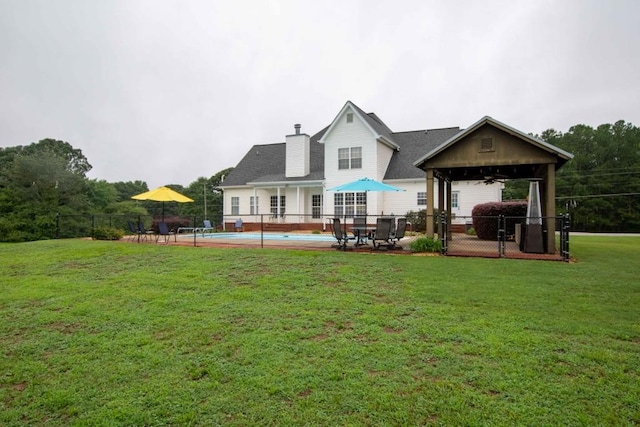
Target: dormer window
349,117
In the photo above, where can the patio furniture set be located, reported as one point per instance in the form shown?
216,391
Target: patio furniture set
385,234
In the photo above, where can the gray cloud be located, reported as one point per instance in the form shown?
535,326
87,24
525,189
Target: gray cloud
167,91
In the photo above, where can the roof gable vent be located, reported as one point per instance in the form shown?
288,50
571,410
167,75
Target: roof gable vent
486,144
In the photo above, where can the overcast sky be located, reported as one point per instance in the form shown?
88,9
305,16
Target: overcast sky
168,91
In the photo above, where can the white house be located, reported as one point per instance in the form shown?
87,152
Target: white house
289,182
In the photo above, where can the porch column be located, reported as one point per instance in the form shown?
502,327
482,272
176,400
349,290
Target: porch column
278,204
298,201
550,208
255,205
441,205
430,201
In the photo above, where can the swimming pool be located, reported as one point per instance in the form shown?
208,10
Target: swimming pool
271,236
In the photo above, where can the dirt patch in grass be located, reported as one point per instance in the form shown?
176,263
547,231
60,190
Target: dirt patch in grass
65,328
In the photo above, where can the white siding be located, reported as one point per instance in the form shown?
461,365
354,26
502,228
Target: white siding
346,135
469,195
472,193
383,158
297,155
401,202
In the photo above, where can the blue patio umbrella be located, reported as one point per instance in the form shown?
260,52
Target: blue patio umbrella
364,185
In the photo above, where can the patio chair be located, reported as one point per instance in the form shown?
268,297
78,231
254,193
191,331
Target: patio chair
382,234
399,233
143,231
163,231
340,234
238,225
134,231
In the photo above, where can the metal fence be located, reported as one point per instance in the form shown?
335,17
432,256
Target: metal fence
506,237
85,225
494,236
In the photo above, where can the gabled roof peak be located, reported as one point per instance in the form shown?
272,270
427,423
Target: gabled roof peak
371,120
504,127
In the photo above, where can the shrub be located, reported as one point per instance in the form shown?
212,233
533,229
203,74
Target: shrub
485,218
471,231
418,220
107,233
425,244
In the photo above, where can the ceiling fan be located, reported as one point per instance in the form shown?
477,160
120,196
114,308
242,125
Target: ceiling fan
490,178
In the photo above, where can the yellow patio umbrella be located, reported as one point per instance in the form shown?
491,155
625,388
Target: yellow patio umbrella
162,194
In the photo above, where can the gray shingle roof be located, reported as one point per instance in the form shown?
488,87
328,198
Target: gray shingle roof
374,121
266,163
413,145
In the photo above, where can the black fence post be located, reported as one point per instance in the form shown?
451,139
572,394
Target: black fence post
195,230
57,225
262,230
501,235
443,238
566,227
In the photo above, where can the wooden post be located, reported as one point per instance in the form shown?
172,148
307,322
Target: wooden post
430,201
550,207
449,215
441,206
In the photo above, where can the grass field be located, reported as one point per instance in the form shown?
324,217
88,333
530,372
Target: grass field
111,333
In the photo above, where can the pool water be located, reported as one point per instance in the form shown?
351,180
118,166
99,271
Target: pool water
271,236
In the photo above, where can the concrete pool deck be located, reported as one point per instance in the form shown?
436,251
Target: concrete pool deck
282,243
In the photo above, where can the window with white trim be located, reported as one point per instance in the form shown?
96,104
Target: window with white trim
455,199
274,205
350,158
316,205
349,204
253,205
235,206
356,157
422,198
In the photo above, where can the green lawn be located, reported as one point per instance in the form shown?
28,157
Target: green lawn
110,333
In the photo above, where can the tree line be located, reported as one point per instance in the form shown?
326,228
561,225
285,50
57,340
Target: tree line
599,187
46,180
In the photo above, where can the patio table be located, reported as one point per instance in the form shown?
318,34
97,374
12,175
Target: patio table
362,234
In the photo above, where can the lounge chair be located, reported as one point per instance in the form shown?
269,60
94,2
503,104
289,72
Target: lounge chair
163,231
207,227
382,234
341,235
399,233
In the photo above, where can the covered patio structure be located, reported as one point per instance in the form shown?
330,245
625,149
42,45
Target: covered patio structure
490,150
